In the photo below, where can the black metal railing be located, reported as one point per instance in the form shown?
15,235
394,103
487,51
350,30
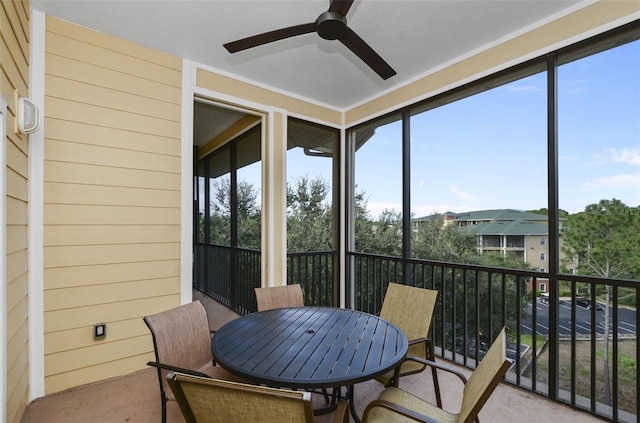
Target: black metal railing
475,302
314,271
228,275
215,273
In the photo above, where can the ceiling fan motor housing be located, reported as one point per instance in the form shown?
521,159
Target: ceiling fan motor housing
331,25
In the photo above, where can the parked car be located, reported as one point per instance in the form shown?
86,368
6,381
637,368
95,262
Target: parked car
586,303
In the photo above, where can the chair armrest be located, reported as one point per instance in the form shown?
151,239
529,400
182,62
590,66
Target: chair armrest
418,341
439,366
396,409
342,412
171,368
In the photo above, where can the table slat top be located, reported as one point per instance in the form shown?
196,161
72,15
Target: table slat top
309,347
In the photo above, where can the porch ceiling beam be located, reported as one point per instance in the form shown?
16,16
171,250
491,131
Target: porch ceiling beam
236,129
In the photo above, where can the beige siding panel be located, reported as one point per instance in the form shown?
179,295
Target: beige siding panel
93,355
17,265
85,174
67,277
18,20
19,141
14,74
17,320
18,341
6,87
83,337
62,151
78,317
17,159
99,234
85,296
56,26
233,87
17,211
112,200
17,290
90,374
104,97
56,193
69,214
18,380
17,185
82,133
82,51
85,255
16,238
88,73
16,51
103,116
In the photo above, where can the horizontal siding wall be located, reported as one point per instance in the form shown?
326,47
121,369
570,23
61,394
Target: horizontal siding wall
14,74
111,201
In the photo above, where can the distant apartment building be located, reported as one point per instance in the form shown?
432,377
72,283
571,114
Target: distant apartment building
503,231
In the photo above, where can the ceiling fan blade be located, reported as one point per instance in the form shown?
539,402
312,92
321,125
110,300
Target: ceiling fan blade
340,6
367,54
269,37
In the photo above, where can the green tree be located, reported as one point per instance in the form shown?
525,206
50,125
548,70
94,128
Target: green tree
545,211
309,216
605,240
248,214
435,240
377,236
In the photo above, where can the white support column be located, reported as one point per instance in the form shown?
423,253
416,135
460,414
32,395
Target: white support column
36,211
3,260
186,182
274,199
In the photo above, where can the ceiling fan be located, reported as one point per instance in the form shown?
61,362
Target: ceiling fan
330,25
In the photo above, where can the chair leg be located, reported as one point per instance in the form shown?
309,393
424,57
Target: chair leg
434,372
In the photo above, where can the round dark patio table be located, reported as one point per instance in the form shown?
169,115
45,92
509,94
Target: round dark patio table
309,348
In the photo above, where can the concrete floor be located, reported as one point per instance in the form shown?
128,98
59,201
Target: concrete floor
135,397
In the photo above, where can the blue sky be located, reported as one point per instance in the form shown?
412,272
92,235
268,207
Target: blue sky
489,150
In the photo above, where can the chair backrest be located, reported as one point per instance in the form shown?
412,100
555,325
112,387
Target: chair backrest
212,400
485,378
181,337
411,309
279,297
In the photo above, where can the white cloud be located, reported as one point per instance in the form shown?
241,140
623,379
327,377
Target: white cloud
629,156
462,194
627,180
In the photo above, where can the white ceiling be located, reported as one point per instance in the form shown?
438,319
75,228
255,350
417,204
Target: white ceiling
413,36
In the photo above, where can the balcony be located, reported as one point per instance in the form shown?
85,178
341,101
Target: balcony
135,397
474,303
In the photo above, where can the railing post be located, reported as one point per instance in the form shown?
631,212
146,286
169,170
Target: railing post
554,238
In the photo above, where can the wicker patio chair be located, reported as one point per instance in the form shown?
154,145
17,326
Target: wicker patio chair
218,401
279,297
411,309
182,342
396,406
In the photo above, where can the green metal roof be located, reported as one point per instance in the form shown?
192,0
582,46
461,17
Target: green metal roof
499,214
487,215
515,227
